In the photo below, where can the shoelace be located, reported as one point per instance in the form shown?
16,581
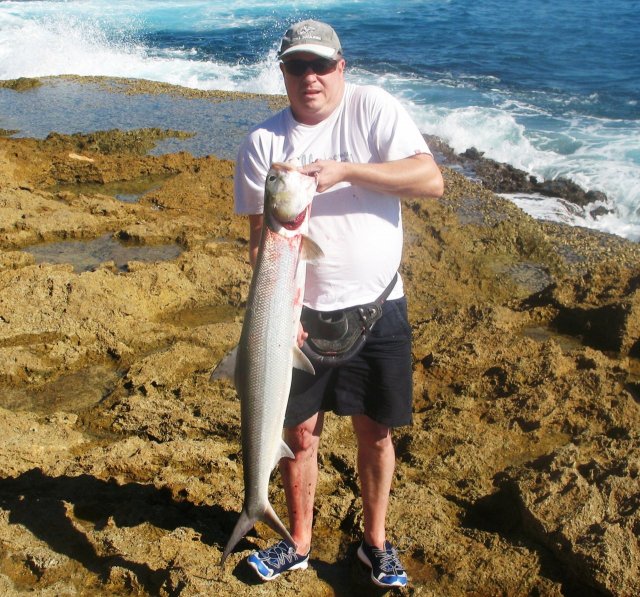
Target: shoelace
280,555
389,561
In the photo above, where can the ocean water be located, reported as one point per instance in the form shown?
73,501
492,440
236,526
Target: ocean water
549,87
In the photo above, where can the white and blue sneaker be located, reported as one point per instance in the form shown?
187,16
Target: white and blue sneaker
386,569
272,562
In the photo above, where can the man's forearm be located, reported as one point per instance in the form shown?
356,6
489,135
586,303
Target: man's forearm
415,176
255,232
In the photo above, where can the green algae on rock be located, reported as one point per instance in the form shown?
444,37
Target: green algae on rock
21,84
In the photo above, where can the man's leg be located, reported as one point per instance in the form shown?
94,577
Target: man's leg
376,465
300,477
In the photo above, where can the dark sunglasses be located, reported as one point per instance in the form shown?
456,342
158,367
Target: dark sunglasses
320,66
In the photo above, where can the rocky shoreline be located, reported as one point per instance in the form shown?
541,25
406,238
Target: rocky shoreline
120,470
504,178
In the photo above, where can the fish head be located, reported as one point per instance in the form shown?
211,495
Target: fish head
287,198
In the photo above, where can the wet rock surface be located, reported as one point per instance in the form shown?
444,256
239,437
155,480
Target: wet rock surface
120,464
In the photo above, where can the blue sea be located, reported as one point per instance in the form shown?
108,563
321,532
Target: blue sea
549,87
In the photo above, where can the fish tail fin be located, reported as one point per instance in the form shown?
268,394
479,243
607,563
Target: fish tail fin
243,526
270,518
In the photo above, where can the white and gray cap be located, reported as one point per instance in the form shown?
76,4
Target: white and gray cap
313,37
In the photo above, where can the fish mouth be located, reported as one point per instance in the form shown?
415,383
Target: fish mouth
296,222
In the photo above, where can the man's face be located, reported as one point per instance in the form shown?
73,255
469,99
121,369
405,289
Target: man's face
315,88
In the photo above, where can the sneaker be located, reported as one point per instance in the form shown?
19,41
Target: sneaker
272,562
386,569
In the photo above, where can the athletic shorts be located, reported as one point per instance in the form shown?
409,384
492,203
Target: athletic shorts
377,382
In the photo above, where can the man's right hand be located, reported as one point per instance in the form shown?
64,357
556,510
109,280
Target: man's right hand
302,336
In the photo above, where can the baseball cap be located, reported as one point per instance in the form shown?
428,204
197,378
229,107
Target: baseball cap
313,37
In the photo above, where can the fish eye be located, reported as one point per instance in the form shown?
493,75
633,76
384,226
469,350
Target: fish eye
272,177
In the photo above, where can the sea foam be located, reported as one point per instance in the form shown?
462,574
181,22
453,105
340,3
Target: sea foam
549,133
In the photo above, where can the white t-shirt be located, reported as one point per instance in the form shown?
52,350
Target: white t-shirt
359,230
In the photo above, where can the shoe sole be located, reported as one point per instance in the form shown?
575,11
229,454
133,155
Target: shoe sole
365,560
298,566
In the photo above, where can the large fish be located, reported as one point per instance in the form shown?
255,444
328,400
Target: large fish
268,344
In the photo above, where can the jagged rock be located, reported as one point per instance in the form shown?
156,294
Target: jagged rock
582,502
121,462
602,307
504,178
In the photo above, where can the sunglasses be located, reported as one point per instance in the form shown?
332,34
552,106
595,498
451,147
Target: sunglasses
320,66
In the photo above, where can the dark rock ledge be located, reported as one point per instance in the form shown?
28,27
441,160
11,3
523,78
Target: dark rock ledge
504,178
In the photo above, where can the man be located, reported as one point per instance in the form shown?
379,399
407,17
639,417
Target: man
365,153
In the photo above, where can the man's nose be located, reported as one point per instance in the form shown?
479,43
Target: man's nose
306,72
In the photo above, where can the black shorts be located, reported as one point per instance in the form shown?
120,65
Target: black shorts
377,382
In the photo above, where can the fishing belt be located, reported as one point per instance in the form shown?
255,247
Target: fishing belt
337,336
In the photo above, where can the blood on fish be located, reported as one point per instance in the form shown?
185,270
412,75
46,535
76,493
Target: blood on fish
293,224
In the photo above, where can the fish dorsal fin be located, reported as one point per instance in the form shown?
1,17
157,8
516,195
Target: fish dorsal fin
300,361
310,251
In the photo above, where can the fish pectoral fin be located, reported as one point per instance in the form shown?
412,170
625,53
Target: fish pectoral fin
300,361
310,251
226,367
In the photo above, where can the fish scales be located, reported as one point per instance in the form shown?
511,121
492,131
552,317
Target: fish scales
269,329
268,350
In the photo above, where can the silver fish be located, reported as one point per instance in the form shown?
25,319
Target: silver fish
268,344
